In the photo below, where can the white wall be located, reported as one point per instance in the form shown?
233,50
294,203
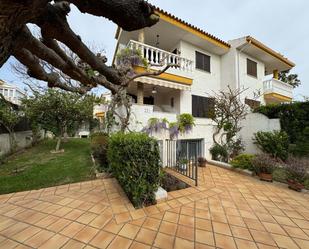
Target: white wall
253,123
23,139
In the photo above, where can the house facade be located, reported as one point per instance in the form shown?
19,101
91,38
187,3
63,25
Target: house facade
206,64
11,93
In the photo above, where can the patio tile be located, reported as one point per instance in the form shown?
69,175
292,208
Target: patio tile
102,239
185,232
26,234
39,239
171,217
59,225
164,241
86,234
221,228
274,228
240,232
137,245
224,241
113,227
168,228
284,241
245,244
183,244
146,236
186,220
72,229
204,237
129,231
123,217
296,232
262,237
303,244
120,242
152,224
55,242
203,224
73,244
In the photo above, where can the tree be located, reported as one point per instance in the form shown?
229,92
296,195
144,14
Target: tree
291,79
9,118
51,17
228,112
59,111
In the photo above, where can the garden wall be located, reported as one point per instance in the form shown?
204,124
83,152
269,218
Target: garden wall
23,138
253,123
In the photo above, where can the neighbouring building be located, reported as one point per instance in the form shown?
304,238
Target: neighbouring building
11,92
207,64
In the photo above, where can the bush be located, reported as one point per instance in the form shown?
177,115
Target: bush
134,159
219,153
243,161
275,143
297,168
263,163
99,146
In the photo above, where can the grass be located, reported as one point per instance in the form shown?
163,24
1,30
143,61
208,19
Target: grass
38,168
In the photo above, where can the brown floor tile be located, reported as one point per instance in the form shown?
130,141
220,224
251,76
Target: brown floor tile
185,232
203,246
55,242
221,228
296,232
123,217
152,224
58,225
146,236
45,222
303,244
183,244
284,241
86,218
186,220
72,229
138,245
171,217
26,233
245,244
203,224
137,214
168,228
224,241
113,227
274,228
204,237
73,244
241,232
8,244
102,239
86,234
129,231
74,214
39,239
262,237
164,241
120,242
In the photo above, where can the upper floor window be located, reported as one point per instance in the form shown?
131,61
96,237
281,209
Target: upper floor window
202,61
202,107
251,68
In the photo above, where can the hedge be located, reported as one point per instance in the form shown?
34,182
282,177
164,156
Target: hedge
134,159
294,120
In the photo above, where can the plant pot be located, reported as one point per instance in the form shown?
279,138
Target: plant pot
202,164
266,177
295,185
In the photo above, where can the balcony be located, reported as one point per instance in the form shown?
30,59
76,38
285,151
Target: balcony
276,91
158,58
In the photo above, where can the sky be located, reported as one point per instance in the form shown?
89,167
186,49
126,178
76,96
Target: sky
280,24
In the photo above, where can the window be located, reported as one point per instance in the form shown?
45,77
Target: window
202,107
202,61
252,103
172,102
251,68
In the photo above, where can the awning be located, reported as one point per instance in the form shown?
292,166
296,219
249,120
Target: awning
164,83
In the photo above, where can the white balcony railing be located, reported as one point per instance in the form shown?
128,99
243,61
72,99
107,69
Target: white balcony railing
159,57
278,87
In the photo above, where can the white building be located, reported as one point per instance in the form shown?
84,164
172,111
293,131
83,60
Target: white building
207,64
11,93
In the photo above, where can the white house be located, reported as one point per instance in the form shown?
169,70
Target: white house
11,92
207,64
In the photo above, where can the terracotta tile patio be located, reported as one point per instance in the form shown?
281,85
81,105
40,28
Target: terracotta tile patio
226,210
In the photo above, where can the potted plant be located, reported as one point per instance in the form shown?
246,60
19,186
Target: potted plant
201,161
182,164
297,170
263,166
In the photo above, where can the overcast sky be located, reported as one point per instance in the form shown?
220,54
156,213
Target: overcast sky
280,24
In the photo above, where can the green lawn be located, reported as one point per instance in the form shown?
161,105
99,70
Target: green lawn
38,168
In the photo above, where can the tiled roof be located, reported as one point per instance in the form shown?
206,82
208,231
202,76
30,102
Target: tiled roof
190,25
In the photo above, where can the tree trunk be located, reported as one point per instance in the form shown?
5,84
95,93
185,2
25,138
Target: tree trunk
13,143
58,143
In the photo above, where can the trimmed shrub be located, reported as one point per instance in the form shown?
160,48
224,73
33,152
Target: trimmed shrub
218,153
134,160
99,146
275,143
297,168
263,163
243,161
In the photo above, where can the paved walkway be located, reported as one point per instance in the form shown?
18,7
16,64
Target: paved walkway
227,210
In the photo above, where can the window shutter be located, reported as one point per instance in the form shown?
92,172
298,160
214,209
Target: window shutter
202,61
251,68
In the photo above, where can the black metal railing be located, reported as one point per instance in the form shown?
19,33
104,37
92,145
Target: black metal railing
182,156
